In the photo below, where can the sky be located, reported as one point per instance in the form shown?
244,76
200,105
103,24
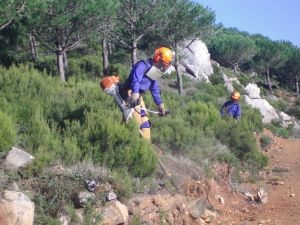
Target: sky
276,19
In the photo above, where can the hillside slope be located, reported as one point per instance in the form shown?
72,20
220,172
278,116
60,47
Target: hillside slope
280,179
283,206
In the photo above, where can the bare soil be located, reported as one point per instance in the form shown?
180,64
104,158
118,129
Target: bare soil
283,206
280,180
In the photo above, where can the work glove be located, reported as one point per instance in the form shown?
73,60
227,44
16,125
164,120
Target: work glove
162,110
134,100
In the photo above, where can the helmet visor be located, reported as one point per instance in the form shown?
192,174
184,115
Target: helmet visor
162,66
154,73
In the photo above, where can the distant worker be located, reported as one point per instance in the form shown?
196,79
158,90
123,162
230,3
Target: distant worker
232,107
143,77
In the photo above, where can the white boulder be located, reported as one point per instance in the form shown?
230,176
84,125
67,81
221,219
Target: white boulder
16,159
252,91
267,111
195,60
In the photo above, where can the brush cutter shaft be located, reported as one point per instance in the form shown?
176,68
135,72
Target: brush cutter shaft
154,112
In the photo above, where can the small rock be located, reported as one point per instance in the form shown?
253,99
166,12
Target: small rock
84,197
245,210
111,196
90,185
221,200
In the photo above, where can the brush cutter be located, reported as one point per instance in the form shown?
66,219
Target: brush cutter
152,111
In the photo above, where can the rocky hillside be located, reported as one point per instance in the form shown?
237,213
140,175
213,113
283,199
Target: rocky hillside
176,197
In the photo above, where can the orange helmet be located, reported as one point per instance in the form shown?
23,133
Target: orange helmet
235,95
163,54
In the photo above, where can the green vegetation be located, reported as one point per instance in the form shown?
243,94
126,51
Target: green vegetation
7,132
74,121
70,122
265,141
232,49
51,104
280,131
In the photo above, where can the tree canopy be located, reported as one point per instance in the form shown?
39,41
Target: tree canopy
232,49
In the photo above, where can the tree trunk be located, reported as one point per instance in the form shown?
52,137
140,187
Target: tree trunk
134,53
297,84
33,49
268,79
178,75
179,81
110,47
60,64
235,68
65,60
105,60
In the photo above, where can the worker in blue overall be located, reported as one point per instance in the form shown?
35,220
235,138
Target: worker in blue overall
142,78
232,108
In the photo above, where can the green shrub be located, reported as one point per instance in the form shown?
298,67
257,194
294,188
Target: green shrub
256,159
117,145
280,105
47,64
120,70
87,66
294,111
265,141
7,132
240,139
57,190
276,129
216,79
245,79
251,118
75,120
123,185
202,115
283,132
209,93
228,158
195,123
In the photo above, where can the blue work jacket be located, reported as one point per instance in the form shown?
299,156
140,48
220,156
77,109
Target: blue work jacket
138,81
231,108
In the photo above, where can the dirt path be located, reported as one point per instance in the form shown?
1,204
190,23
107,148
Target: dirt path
229,203
283,184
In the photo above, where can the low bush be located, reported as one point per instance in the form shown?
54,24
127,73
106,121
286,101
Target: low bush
47,64
265,141
245,79
228,158
195,126
120,70
7,132
72,121
256,159
294,111
239,139
280,105
88,66
217,76
280,131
